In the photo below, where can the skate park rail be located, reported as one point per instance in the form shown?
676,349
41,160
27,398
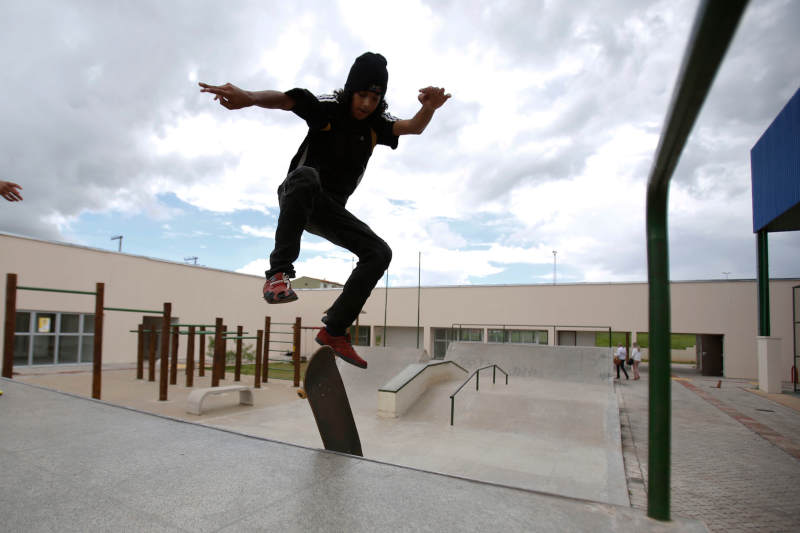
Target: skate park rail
477,374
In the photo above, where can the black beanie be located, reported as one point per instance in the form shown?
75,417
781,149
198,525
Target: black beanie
368,73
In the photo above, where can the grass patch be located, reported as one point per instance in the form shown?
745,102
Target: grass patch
277,370
601,338
678,341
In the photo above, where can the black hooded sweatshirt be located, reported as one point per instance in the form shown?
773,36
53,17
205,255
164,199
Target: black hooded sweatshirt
337,145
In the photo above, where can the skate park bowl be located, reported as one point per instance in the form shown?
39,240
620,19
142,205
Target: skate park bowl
555,426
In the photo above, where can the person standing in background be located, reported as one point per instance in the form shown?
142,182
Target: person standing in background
636,354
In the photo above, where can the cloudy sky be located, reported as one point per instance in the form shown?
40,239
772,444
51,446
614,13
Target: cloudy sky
545,145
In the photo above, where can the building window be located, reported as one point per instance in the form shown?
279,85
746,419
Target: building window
48,338
517,336
442,337
468,334
360,335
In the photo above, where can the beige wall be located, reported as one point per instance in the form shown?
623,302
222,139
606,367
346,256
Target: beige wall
200,294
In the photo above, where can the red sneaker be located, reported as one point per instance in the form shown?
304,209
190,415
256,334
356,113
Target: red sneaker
342,347
278,290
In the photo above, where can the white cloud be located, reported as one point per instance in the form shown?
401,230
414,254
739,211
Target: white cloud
546,143
268,232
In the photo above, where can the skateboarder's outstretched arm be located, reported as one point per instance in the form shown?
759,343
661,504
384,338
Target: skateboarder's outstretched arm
232,97
431,98
10,191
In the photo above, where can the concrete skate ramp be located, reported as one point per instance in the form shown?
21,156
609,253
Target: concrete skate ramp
574,364
383,364
74,464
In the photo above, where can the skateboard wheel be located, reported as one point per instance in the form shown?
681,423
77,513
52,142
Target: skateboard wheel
302,393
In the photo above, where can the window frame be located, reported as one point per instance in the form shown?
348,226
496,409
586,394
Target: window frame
85,344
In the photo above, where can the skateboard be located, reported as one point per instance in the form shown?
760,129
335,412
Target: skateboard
324,389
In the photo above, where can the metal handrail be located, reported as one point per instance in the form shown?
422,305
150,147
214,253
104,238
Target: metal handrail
713,29
421,370
477,375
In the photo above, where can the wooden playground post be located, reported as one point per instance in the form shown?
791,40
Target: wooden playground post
140,352
173,363
215,360
265,366
296,352
165,321
190,358
97,362
151,355
259,341
223,354
201,353
237,373
10,326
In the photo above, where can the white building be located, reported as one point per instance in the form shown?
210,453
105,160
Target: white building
52,328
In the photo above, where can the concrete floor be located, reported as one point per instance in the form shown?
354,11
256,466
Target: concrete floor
542,453
74,464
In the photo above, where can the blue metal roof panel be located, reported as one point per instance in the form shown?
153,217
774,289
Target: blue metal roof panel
775,167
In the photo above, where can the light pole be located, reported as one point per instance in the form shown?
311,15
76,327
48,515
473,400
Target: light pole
554,266
726,274
193,258
118,238
419,290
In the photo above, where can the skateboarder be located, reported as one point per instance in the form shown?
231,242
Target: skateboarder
343,129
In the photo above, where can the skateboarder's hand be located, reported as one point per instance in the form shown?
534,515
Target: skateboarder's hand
433,97
10,191
229,96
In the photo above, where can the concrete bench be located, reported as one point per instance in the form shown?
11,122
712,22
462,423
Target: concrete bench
196,397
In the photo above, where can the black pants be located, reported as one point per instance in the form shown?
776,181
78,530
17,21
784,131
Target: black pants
622,366
305,206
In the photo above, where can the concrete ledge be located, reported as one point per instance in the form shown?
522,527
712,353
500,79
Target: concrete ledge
196,397
400,393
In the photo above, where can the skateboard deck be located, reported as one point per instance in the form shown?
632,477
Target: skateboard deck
324,389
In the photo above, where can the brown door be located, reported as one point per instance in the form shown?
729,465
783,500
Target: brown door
709,351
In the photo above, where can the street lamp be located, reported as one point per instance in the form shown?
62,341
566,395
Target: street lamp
554,266
193,258
726,274
118,238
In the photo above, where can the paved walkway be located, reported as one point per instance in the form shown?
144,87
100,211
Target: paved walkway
735,462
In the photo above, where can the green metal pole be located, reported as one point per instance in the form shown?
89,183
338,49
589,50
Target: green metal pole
65,291
659,382
126,310
762,250
713,29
